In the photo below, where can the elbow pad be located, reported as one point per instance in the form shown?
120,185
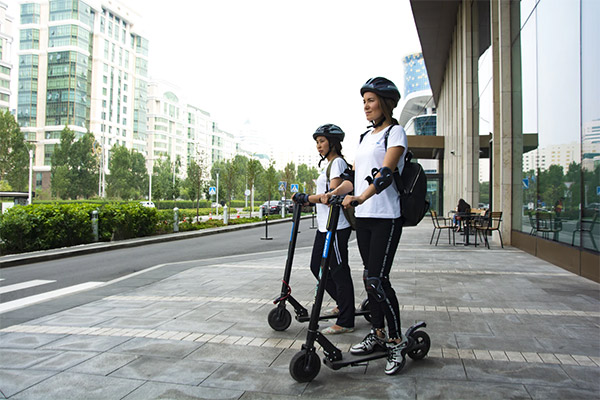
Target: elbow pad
385,180
348,175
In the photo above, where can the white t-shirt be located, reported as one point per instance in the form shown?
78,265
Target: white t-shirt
338,166
369,155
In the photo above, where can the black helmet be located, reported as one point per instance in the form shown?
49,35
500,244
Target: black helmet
330,131
382,87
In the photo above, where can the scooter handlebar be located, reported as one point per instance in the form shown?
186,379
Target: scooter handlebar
354,203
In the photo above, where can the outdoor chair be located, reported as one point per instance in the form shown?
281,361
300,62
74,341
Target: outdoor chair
586,225
533,224
488,224
439,224
548,223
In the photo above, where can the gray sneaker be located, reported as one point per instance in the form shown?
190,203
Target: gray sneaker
368,344
396,356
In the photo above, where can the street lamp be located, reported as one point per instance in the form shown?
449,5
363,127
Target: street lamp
30,174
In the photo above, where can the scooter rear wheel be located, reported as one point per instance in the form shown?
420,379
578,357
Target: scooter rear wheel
305,366
279,319
364,306
421,345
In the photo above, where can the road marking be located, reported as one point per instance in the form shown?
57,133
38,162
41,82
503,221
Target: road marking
23,285
27,301
278,342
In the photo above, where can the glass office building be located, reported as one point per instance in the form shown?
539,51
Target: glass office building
517,82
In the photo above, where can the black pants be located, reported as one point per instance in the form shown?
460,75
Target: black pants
377,242
339,282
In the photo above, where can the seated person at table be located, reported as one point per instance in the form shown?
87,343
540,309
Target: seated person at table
462,207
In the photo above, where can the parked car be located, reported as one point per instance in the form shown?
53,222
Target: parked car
270,207
148,204
289,206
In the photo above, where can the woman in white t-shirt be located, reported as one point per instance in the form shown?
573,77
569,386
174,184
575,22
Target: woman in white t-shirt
378,216
339,284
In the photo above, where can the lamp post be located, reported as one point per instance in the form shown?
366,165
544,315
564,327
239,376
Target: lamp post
30,174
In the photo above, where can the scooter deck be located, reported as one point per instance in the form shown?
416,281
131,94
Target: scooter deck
305,318
354,360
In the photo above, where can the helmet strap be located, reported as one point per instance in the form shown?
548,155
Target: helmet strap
375,124
324,157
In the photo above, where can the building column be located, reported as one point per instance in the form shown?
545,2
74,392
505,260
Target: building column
502,136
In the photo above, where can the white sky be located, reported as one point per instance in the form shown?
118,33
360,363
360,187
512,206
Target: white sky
285,66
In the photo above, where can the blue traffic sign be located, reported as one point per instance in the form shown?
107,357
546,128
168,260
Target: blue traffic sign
212,190
294,188
282,186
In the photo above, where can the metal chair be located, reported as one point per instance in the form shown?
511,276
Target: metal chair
487,225
439,224
548,223
586,226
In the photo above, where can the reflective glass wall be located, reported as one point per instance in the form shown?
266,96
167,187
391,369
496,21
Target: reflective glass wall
556,120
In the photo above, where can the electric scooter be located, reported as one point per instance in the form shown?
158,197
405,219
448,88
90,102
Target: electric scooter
280,318
305,365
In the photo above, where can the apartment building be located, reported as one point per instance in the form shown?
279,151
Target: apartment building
82,64
6,40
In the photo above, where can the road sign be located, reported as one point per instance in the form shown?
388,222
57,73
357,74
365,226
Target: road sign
282,186
526,183
212,190
247,192
294,188
598,190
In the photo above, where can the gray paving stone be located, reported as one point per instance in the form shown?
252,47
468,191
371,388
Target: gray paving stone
87,343
103,364
430,389
157,348
151,390
584,377
233,354
70,386
13,381
499,343
76,320
185,372
64,360
335,385
133,322
562,393
17,340
257,379
24,358
506,372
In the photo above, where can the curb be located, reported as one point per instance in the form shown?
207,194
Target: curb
89,248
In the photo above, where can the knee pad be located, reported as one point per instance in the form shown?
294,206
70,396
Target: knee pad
374,287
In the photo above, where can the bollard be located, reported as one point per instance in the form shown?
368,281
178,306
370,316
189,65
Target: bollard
225,215
95,225
176,219
260,213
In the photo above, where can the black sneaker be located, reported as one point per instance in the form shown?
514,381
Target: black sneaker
396,357
368,344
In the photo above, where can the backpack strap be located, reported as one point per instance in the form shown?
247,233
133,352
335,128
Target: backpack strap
385,138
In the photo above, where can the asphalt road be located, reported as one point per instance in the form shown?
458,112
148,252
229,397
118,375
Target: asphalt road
109,265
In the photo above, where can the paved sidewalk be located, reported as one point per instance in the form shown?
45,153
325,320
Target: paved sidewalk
503,324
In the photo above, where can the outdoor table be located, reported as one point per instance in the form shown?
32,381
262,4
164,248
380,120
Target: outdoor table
467,219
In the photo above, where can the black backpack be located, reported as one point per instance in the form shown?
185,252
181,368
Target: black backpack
412,188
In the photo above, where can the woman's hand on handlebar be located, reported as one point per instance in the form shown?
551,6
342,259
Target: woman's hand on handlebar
324,199
351,201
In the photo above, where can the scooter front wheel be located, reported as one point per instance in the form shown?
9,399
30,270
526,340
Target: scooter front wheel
305,366
420,346
279,319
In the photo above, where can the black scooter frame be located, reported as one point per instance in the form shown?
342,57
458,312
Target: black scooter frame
280,318
305,365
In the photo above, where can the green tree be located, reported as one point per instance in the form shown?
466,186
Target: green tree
306,177
270,181
128,177
230,180
14,153
253,170
162,179
74,170
194,180
289,176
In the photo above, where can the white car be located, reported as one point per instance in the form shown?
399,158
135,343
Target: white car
147,204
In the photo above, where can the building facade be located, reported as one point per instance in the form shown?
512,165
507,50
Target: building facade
6,41
82,64
544,93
